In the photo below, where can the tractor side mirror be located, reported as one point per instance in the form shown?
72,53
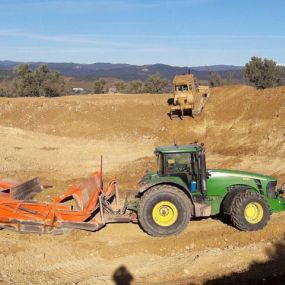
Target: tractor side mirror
208,174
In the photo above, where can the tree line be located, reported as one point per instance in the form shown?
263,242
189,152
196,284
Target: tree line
154,84
34,83
261,73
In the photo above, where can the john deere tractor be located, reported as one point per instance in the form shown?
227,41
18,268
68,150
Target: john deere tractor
183,188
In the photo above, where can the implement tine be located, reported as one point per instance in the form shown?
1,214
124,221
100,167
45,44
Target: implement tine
26,190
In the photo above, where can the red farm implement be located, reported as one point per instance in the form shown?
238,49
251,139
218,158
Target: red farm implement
92,207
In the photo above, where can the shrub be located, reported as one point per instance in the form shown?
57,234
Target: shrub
4,92
263,73
99,86
155,84
40,82
215,79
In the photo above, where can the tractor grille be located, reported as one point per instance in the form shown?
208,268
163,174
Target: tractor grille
270,189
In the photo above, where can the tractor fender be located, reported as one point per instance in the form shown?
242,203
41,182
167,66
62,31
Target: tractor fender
229,198
182,186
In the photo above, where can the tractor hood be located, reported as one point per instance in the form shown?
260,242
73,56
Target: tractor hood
244,175
214,173
219,181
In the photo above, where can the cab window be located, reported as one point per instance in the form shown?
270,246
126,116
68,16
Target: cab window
182,87
177,162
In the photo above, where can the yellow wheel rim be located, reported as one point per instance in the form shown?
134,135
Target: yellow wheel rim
165,213
253,213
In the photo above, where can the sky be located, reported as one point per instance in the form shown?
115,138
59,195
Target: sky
175,32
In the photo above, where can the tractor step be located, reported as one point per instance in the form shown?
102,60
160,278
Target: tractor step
202,209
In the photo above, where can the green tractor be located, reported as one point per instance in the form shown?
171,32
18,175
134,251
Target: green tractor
183,188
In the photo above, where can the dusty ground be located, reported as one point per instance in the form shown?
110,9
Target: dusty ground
61,140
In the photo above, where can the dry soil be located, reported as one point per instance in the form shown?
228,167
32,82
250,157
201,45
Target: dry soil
60,140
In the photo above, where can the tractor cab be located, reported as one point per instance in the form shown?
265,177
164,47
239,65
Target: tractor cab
186,162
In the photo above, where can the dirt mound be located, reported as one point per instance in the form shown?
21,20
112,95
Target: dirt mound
239,123
248,120
61,139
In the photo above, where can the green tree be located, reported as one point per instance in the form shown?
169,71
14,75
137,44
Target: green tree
155,84
99,86
135,86
121,86
52,85
41,74
263,73
25,84
22,69
282,74
4,92
40,82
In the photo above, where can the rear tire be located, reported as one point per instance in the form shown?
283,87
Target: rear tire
164,210
250,211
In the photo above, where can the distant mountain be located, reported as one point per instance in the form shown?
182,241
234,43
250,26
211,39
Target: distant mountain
217,68
127,71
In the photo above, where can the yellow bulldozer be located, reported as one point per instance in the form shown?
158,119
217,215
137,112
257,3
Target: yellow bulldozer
189,98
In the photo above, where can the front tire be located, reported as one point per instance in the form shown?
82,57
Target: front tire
250,211
164,210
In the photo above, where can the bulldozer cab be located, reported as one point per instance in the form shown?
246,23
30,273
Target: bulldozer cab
183,83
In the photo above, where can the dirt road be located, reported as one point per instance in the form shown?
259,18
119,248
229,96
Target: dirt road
61,140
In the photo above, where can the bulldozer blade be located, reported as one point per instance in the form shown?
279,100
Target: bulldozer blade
26,190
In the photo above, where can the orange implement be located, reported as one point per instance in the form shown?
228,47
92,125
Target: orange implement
93,207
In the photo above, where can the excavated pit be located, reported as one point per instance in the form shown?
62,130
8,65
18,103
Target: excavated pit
61,140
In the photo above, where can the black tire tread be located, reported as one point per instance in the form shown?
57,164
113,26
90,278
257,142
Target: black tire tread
237,216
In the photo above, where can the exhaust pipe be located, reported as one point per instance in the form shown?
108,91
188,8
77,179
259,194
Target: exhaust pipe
203,173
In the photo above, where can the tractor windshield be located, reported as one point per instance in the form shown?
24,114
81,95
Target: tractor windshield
177,162
185,165
172,163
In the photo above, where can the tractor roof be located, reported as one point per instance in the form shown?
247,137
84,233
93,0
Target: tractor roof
179,148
